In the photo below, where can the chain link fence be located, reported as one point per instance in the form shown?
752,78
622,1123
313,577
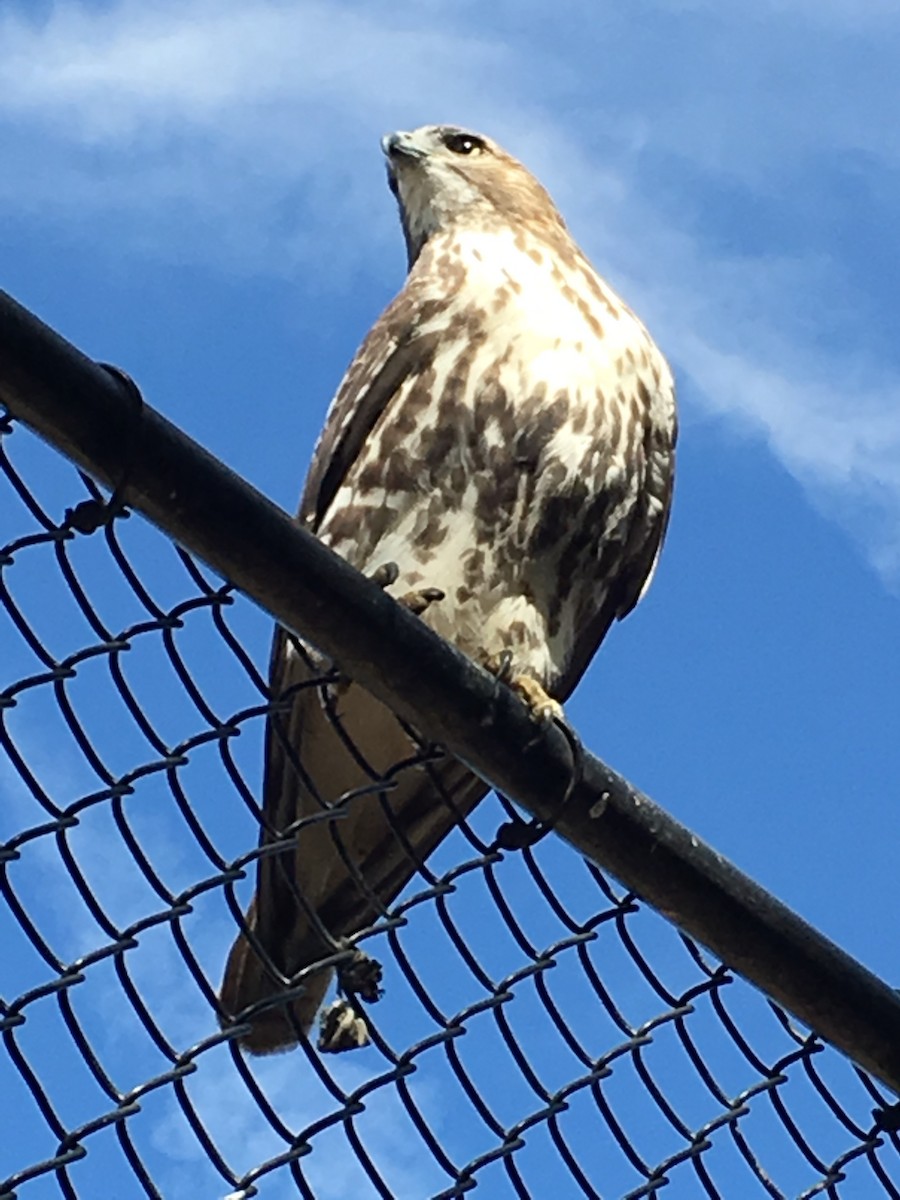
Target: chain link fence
541,1032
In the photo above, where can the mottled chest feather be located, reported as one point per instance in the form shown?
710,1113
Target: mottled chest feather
506,437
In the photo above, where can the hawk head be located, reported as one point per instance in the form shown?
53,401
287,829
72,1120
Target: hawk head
444,177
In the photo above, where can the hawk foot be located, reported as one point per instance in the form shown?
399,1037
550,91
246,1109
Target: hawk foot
341,1029
542,707
361,976
418,601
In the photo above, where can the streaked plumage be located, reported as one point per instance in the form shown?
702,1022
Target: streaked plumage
506,434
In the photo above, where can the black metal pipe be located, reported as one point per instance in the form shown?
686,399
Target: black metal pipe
82,411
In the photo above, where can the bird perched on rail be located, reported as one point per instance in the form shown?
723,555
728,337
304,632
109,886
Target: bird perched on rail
500,455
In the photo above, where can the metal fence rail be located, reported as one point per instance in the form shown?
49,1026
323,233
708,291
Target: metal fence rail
542,1031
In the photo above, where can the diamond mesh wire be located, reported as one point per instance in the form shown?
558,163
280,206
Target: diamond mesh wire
541,1034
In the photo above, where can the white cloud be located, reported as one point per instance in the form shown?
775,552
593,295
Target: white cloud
246,131
234,129
840,438
285,85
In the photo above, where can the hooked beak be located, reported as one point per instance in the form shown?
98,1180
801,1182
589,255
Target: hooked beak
399,145
398,148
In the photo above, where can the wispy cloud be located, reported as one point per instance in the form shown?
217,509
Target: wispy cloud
226,107
234,1121
245,131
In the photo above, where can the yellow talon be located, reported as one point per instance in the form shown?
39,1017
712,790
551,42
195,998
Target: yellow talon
543,708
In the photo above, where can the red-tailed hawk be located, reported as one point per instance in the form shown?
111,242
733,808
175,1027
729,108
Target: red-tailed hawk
505,435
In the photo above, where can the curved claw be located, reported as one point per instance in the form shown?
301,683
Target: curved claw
499,665
385,575
418,601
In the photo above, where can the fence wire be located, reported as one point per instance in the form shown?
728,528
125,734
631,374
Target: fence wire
541,1033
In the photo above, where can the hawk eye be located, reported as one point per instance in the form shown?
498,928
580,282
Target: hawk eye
463,143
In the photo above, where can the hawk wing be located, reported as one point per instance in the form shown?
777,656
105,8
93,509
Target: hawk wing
391,355
328,752
637,559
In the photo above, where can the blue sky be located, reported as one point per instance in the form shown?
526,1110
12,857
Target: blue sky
195,191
